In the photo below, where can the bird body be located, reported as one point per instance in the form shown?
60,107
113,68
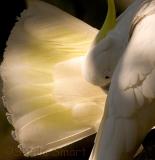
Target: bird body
130,106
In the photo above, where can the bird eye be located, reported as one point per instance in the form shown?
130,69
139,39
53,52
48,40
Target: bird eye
107,77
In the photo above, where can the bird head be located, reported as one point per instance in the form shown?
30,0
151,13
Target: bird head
100,63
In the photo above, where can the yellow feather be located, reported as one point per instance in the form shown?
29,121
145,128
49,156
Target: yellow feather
49,102
109,23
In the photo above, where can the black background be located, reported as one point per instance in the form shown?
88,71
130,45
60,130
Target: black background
92,12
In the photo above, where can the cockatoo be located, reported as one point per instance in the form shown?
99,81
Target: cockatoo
130,107
44,89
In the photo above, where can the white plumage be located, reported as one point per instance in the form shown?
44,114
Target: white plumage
130,107
104,56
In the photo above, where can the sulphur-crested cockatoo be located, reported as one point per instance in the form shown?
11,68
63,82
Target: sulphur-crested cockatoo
44,91
130,106
49,103
104,55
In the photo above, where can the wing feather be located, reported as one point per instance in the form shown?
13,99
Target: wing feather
50,104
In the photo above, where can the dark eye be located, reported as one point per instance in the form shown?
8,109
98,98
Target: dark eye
107,77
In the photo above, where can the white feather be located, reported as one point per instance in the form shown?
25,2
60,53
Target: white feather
50,104
103,57
131,100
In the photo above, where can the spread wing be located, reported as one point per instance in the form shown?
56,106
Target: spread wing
49,103
130,107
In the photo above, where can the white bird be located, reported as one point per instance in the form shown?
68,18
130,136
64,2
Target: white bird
130,107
